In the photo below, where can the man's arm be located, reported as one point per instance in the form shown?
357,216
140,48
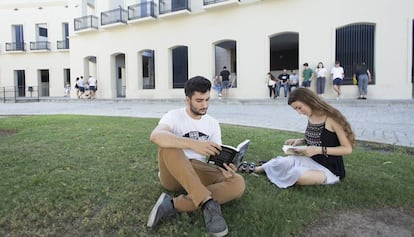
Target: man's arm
163,137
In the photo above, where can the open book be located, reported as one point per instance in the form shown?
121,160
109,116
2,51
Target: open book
230,154
292,150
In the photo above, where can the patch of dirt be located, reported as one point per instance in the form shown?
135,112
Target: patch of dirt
381,147
364,223
7,132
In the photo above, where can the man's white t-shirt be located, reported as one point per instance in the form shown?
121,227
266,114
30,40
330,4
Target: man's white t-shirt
92,81
81,82
181,124
337,72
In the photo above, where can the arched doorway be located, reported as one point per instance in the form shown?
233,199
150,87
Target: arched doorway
284,51
225,56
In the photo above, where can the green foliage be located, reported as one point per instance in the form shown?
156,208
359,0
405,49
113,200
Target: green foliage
97,176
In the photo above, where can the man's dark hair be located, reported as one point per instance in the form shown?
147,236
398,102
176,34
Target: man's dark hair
196,84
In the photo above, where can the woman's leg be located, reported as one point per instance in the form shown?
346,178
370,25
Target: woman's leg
318,86
365,87
323,82
360,85
312,177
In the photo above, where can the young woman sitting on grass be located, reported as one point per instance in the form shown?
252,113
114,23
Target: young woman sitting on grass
328,137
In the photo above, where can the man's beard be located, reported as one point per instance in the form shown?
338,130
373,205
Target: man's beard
197,112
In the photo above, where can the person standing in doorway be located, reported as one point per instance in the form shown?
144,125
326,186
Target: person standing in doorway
283,82
293,80
307,75
271,82
67,90
337,73
217,85
320,79
225,81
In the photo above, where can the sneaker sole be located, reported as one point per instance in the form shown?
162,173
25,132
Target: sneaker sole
154,210
220,234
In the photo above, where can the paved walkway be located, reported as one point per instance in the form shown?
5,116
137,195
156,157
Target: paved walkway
389,122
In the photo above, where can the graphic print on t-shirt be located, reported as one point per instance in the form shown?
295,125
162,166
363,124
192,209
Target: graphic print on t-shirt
196,135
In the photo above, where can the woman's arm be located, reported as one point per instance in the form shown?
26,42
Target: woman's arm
345,147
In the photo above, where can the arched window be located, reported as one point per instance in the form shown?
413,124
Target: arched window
355,44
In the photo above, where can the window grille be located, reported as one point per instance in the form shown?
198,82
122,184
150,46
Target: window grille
355,44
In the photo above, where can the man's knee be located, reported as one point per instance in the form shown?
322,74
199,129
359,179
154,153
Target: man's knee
239,185
169,152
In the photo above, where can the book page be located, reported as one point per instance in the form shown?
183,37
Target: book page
243,145
242,148
230,147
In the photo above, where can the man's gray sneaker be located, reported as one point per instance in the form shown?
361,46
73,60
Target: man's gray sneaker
213,219
162,209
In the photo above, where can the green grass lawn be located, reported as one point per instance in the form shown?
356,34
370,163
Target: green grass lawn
97,176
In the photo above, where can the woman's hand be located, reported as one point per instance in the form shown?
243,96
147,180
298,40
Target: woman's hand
295,142
308,151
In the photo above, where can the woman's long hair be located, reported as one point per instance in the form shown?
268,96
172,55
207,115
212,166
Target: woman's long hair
311,99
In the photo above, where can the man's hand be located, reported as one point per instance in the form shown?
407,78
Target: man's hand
229,171
206,148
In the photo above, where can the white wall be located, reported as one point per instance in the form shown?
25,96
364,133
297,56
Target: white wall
27,13
250,25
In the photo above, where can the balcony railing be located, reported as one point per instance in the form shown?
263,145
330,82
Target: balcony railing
86,22
16,46
209,2
170,6
40,45
118,15
62,44
141,10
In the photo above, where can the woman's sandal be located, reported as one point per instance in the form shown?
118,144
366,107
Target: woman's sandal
246,167
261,162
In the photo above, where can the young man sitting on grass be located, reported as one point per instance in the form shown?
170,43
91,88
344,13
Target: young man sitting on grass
185,137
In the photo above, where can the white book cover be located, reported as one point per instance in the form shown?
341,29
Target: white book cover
293,150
